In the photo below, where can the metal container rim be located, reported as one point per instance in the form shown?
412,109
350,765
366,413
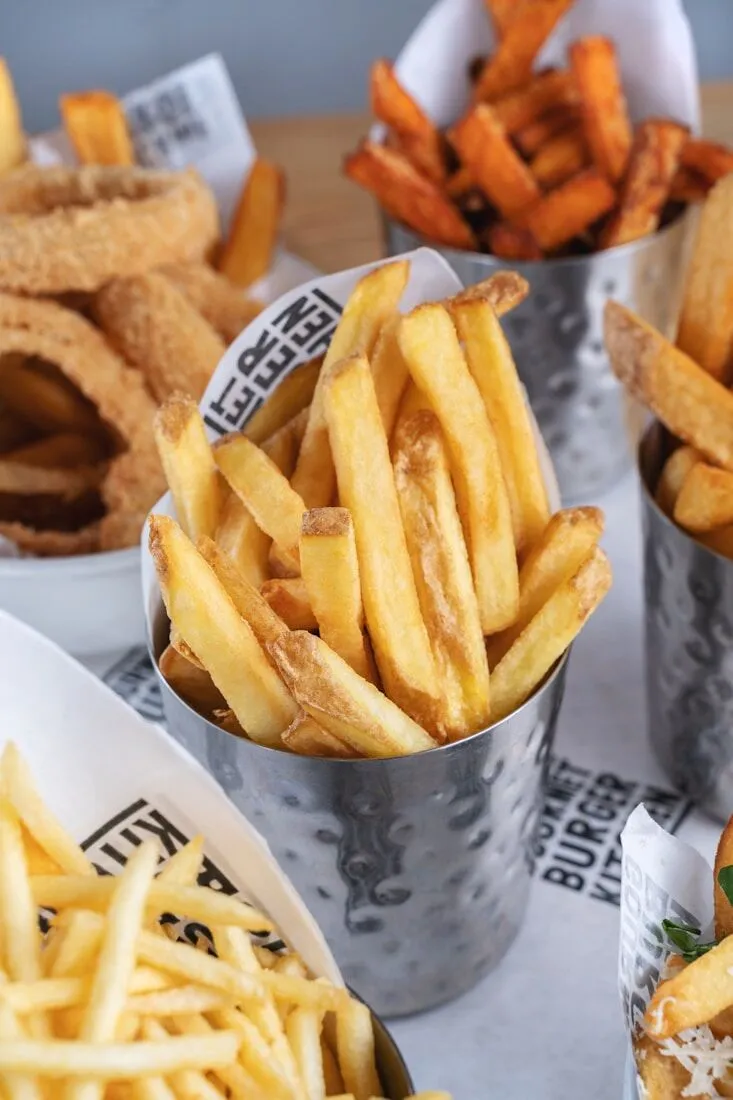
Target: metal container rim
386,1043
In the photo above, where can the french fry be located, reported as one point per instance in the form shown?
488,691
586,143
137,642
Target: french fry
194,685
12,137
482,144
303,1029
433,353
501,13
548,634
344,704
492,367
566,542
532,137
551,91
510,65
705,328
389,372
71,955
355,1038
182,648
361,456
50,405
266,625
693,996
189,466
225,644
723,908
371,304
283,446
560,158
407,195
711,160
241,539
114,1061
331,1072
689,186
330,570
96,126
511,242
442,573
218,300
594,66
653,161
692,405
460,183
267,494
503,291
705,500
570,209
288,598
292,395
247,253
183,867
306,738
672,477
21,945
393,105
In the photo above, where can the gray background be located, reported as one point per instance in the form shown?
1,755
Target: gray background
286,56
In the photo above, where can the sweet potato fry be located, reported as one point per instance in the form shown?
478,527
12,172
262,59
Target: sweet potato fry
266,624
430,345
460,183
570,209
189,466
672,477
396,627
511,64
442,572
288,598
705,500
393,105
492,367
692,405
407,195
502,12
194,685
705,330
247,253
653,161
551,91
241,539
560,158
723,908
294,394
306,738
711,160
511,242
606,122
689,186
548,634
12,138
482,144
531,138
96,126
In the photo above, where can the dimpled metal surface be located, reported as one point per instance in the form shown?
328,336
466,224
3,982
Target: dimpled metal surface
556,336
689,647
416,868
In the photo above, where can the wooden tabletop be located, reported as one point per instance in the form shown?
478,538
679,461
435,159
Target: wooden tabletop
332,222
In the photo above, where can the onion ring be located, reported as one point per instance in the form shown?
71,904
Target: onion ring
74,229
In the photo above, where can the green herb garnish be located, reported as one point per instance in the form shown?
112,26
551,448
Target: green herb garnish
684,938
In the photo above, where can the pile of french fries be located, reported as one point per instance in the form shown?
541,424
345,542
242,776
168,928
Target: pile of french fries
105,1004
544,162
687,384
370,567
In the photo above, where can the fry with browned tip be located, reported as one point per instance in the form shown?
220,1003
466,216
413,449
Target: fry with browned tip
189,466
248,251
96,126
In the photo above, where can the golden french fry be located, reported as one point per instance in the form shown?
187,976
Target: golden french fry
183,649
96,126
705,500
283,446
331,1072
55,993
288,598
303,1029
673,475
503,291
239,537
72,951
436,362
361,454
442,573
372,302
266,624
355,1039
199,606
663,1078
694,995
491,364
12,137
194,685
183,867
39,862
247,253
389,372
54,1058
330,568
548,634
344,704
189,466
306,738
294,394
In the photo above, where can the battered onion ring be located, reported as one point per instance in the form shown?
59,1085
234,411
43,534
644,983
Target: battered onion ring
135,478
74,229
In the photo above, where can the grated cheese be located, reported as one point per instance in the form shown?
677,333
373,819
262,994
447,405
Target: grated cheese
656,1016
705,1058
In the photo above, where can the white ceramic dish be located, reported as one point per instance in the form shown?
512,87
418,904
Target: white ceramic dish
88,605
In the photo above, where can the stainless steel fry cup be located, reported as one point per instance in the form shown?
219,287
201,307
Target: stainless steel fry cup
689,648
556,336
417,868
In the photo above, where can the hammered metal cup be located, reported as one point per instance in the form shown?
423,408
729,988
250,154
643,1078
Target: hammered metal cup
417,868
689,648
556,336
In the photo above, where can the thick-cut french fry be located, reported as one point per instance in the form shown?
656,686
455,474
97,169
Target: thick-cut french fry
393,104
606,122
199,606
266,624
194,685
511,242
182,648
482,143
691,404
706,157
218,300
492,366
49,404
294,394
694,995
547,92
653,161
247,253
361,455
355,1038
563,546
531,138
283,446
389,372
12,138
96,126
347,706
239,537
705,330
63,450
275,505
503,291
723,907
306,738
288,598
372,302
436,362
442,573
663,1078
548,634
407,195
510,65
672,477
57,1058
560,158
502,12
330,570
189,466
705,500
570,209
